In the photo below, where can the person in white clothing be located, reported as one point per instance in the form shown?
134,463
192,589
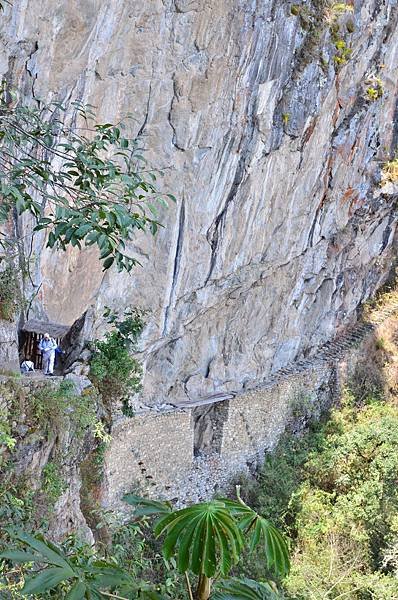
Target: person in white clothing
27,366
48,345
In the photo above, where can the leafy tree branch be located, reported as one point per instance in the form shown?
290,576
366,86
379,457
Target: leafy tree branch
85,184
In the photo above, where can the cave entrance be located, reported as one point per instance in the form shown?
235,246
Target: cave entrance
31,334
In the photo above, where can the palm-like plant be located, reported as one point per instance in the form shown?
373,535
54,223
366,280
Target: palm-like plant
206,539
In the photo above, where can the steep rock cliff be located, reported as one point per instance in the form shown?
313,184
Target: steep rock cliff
260,114
49,427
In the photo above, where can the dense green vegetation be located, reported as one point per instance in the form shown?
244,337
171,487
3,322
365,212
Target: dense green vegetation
334,492
347,508
203,541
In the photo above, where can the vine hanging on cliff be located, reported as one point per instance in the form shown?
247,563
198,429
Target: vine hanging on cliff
85,183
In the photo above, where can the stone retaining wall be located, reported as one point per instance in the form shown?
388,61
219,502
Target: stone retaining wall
156,453
150,452
191,452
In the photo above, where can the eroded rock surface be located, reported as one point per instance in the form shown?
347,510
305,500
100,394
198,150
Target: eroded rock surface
42,465
8,346
273,149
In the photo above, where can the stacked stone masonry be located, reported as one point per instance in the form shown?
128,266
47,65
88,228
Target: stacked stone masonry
193,452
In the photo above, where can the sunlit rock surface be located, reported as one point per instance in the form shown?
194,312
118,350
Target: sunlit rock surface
281,229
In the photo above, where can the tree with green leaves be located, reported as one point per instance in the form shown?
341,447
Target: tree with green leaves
85,183
113,370
205,540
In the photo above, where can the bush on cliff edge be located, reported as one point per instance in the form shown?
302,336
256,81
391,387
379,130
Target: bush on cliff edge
113,370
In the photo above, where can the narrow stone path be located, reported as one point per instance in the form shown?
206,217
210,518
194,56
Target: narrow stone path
332,351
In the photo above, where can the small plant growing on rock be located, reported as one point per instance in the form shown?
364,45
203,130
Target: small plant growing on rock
7,441
389,171
339,27
341,7
343,53
53,484
373,88
100,433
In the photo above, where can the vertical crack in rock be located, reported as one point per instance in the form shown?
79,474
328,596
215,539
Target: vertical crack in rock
245,149
318,212
142,128
174,140
394,136
176,264
30,73
387,232
215,231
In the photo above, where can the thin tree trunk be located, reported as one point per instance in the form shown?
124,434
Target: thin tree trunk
204,588
188,586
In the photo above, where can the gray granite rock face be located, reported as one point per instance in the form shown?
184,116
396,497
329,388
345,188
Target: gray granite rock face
8,346
273,149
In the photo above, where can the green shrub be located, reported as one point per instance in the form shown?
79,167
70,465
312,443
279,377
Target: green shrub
52,408
347,505
53,485
112,364
113,369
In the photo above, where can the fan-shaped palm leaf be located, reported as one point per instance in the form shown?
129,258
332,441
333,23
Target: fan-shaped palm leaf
258,530
244,589
205,536
144,507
